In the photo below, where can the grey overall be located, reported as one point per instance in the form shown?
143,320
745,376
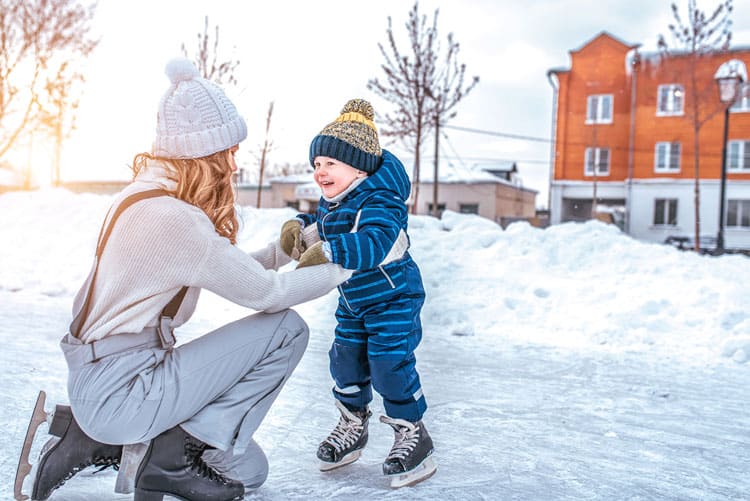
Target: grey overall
128,388
217,387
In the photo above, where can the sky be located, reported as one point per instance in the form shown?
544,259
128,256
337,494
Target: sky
309,58
566,363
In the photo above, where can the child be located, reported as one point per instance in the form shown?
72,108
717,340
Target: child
361,224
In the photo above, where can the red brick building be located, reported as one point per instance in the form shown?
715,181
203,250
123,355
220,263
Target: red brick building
624,136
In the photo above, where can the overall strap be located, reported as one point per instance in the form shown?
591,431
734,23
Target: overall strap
170,310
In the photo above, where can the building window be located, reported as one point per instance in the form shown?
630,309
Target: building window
665,212
441,208
292,204
468,208
742,103
667,157
599,109
738,156
598,157
671,98
738,213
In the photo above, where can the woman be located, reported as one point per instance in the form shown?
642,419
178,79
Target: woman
127,383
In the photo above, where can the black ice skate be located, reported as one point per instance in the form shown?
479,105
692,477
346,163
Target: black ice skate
345,443
69,451
174,466
410,460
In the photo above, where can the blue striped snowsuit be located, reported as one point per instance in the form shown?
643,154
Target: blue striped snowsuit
379,306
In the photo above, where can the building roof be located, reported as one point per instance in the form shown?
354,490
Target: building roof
305,177
605,34
501,167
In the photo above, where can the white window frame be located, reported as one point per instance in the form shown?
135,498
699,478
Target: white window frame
599,108
738,155
742,103
667,147
675,100
738,212
670,207
602,166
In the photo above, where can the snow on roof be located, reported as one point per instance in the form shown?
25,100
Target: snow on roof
508,166
731,69
293,178
452,173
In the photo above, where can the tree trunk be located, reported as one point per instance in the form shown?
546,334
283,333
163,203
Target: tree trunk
58,148
262,169
435,178
415,184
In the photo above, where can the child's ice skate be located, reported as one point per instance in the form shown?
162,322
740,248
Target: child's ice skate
410,460
345,443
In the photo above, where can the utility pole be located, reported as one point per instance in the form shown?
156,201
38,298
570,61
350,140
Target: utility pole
266,147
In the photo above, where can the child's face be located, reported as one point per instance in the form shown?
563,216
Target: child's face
334,176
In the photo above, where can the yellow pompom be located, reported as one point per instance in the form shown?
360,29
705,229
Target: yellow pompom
359,106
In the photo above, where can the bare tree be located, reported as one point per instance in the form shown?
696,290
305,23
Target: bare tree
59,115
207,58
424,89
267,145
40,42
696,37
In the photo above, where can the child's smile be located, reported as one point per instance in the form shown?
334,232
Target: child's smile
334,176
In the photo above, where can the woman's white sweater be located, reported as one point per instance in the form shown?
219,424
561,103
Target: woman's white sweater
161,244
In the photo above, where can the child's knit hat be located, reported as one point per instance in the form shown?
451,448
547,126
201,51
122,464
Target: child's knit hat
195,117
352,138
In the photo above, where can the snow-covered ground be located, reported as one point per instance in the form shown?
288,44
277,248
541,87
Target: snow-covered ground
568,363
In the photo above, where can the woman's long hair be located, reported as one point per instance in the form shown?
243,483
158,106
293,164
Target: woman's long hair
205,182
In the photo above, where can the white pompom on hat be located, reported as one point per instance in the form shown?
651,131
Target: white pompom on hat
195,117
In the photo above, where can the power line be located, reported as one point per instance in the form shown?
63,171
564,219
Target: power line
568,143
488,160
450,145
499,134
484,160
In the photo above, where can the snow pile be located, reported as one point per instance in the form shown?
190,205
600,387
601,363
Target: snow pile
574,286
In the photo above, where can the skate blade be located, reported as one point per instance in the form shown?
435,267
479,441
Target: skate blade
422,472
348,459
132,455
38,416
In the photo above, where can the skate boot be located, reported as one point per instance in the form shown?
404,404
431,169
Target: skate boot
173,466
345,443
410,460
69,451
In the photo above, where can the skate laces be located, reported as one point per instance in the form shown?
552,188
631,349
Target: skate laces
347,430
407,437
194,452
106,462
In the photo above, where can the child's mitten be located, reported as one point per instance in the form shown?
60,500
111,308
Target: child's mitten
312,256
291,239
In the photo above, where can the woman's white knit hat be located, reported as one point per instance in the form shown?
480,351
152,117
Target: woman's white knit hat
195,117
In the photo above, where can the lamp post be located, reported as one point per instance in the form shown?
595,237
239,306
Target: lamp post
729,77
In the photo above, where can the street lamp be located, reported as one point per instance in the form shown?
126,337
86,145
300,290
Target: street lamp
729,77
